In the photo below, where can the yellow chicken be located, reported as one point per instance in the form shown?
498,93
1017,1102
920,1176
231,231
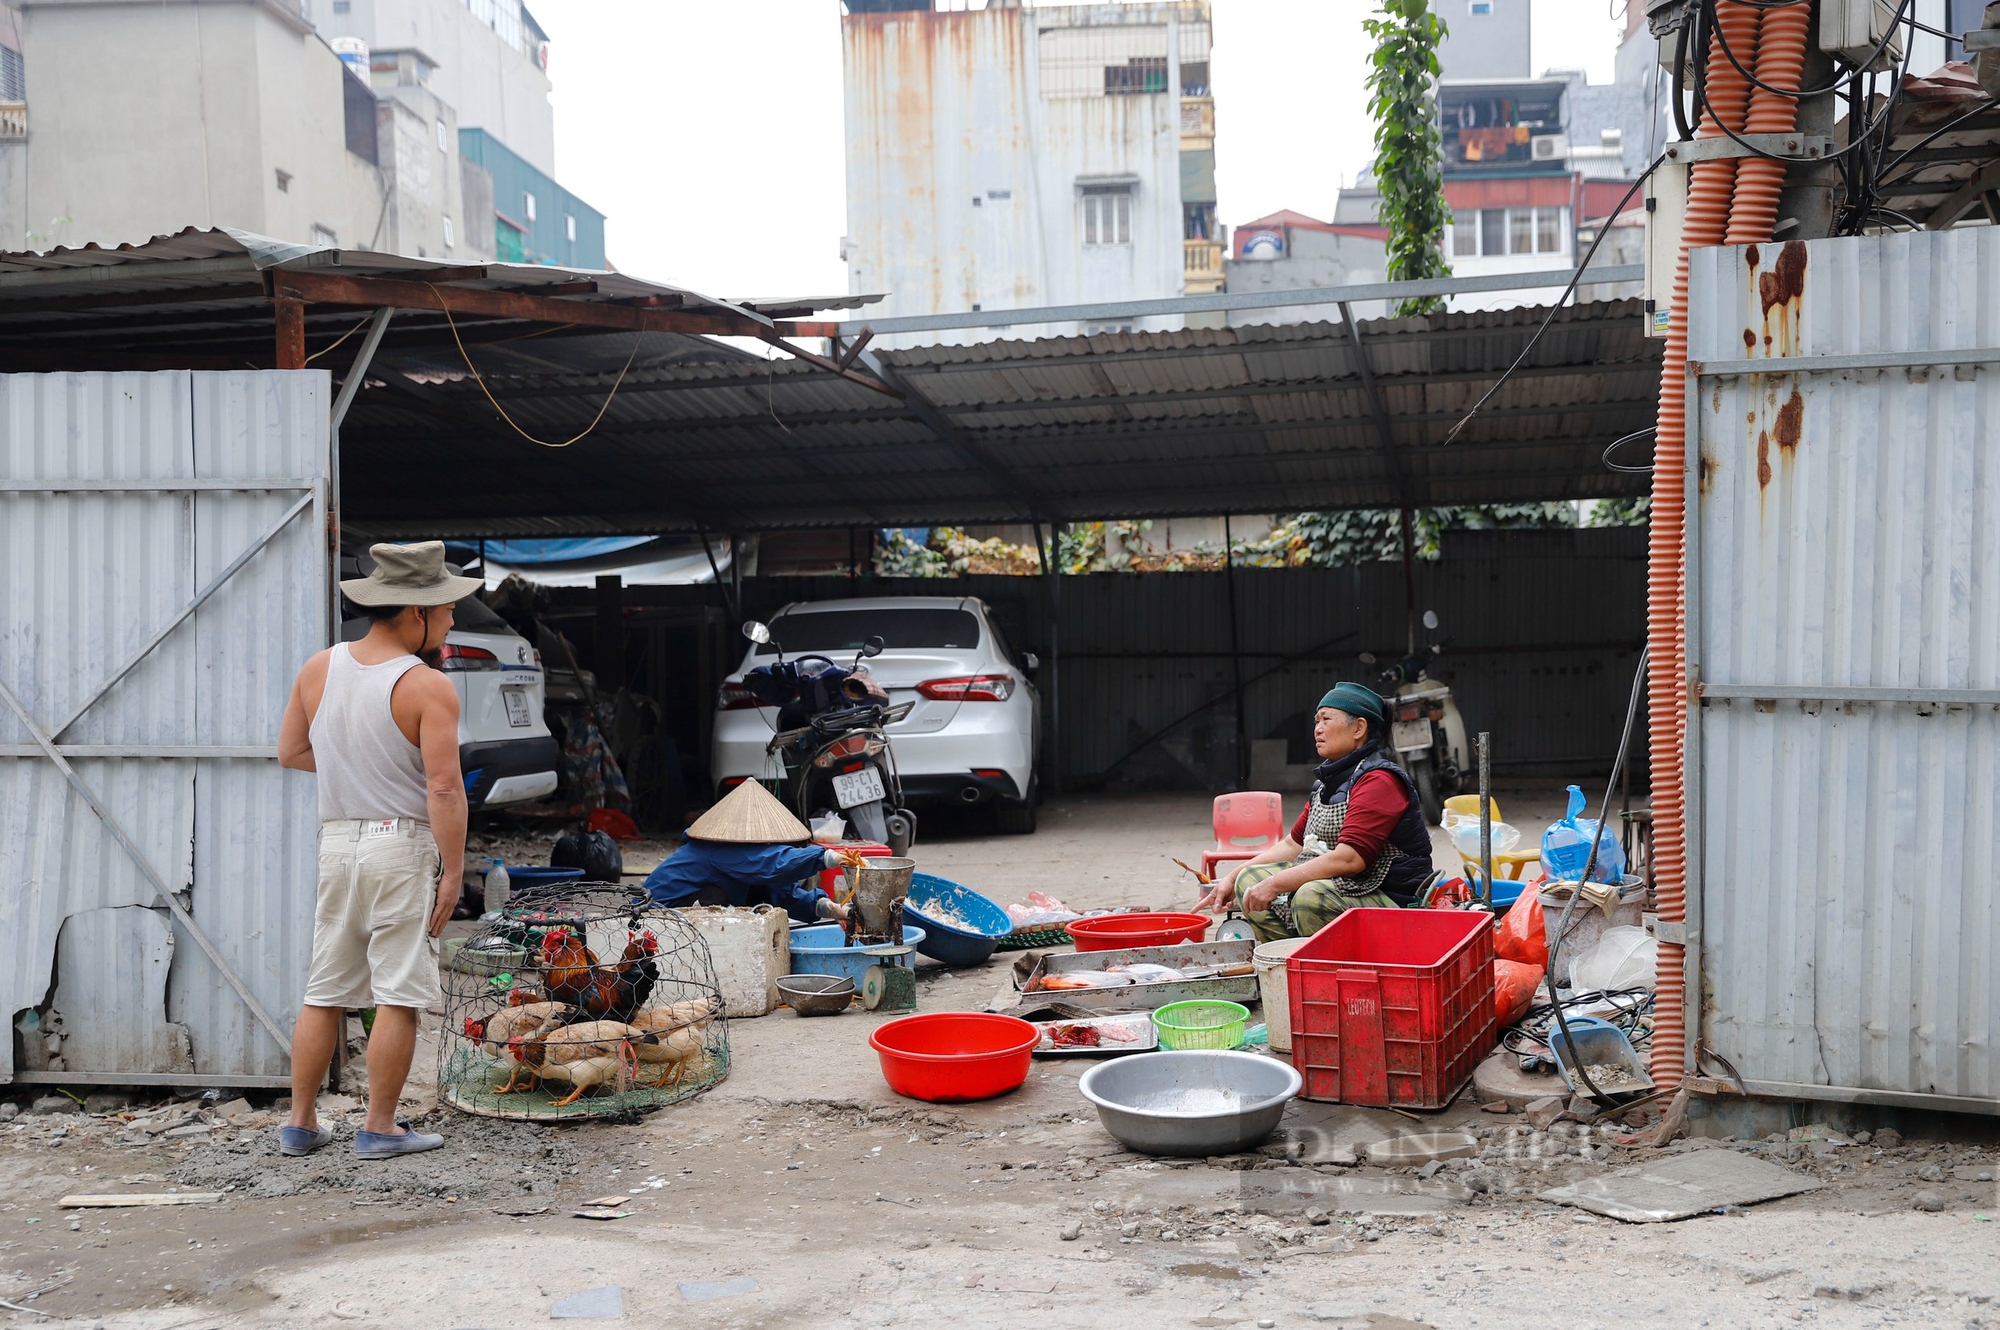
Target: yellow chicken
584,1055
531,1020
673,1036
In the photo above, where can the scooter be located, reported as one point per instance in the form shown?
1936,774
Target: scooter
830,748
1426,733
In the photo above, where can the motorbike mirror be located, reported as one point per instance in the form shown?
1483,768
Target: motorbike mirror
873,646
1431,620
756,632
1367,658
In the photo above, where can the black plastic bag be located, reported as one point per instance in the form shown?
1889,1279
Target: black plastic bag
593,851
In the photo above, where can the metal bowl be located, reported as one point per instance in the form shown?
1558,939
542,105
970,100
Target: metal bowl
1191,1103
817,994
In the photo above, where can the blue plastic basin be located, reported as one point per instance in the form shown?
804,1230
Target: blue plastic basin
526,876
977,927
823,949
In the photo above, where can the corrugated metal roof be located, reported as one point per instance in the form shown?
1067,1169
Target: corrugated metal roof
1201,421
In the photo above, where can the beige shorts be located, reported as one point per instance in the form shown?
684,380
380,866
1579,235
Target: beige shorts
371,932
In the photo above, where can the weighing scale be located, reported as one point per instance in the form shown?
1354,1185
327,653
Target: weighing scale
890,984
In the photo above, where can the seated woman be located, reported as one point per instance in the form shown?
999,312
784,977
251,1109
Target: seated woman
749,850
1361,840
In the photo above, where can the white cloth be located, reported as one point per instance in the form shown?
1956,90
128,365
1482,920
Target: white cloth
367,769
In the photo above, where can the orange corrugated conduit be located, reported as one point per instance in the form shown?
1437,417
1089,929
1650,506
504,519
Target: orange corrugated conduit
1781,60
1706,223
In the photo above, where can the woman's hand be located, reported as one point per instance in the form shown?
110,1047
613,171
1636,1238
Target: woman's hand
1259,897
1220,896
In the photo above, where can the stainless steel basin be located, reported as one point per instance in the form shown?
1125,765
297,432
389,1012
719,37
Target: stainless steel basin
1191,1103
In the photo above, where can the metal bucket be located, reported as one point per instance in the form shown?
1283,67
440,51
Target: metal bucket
877,890
1587,922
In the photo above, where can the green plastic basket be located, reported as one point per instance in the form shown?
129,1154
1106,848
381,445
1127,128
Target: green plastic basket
1202,1024
1027,939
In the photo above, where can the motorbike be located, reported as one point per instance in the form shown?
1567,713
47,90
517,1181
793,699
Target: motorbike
830,748
1426,733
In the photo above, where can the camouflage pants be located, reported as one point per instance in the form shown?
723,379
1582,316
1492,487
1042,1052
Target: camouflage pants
1307,910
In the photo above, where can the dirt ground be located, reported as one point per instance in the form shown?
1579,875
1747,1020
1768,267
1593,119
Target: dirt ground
801,1192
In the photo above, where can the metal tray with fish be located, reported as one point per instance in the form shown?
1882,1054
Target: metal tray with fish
1098,1036
1210,970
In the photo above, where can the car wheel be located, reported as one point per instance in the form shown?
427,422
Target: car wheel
1014,819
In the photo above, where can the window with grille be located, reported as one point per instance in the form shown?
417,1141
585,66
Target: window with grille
1107,214
1140,74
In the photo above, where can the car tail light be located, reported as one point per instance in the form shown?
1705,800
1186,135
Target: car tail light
988,773
969,688
468,659
735,697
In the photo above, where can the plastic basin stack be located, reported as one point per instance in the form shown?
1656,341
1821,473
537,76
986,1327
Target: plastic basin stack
1392,1008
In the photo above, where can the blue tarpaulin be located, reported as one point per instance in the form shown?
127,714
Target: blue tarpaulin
567,550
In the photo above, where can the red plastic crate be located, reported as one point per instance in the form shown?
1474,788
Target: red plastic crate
829,878
1392,1007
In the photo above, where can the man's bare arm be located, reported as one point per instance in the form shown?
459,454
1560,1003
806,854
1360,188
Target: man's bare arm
444,786
295,730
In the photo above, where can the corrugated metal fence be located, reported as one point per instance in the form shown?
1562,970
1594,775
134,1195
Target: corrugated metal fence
123,499
1541,629
1844,795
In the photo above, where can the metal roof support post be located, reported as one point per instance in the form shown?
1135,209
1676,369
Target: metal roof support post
1052,600
1235,655
291,331
1392,466
357,373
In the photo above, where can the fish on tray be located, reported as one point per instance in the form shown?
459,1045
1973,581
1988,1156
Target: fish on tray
1111,976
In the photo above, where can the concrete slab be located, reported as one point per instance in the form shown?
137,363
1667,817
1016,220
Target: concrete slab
592,1304
1682,1187
1499,1079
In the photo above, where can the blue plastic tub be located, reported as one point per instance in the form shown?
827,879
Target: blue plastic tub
526,876
1597,1042
977,923
822,949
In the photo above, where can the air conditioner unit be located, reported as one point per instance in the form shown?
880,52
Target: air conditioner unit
1852,29
1549,147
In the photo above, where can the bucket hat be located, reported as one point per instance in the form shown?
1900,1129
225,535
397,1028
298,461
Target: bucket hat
409,575
749,815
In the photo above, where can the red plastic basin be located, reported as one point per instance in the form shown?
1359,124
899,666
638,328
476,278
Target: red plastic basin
1111,931
952,1056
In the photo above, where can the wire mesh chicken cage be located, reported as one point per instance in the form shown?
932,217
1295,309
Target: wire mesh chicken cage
580,1001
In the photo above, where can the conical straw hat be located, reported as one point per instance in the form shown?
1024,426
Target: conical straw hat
749,815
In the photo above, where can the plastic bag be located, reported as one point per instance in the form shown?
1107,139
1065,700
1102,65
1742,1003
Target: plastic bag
828,829
593,851
1625,957
1514,986
1465,836
1566,847
1519,936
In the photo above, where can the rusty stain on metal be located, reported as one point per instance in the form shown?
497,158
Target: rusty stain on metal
1780,289
1749,339
1763,458
1791,417
1705,470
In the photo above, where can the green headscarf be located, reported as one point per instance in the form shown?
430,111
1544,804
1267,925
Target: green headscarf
1357,700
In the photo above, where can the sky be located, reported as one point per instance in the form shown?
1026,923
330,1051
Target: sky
710,133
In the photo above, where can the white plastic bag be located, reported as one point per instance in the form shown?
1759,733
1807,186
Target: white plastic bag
829,829
1625,957
1465,835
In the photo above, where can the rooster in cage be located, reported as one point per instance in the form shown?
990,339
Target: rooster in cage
572,973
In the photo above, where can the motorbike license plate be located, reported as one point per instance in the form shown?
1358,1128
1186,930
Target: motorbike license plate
516,700
858,787
1408,734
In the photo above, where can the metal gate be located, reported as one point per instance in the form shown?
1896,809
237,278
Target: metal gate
164,571
1843,614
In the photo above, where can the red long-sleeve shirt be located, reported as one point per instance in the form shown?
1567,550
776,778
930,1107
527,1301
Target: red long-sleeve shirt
1375,804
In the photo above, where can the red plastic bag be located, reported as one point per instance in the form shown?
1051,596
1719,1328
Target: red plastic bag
1520,936
1453,894
1514,986
620,826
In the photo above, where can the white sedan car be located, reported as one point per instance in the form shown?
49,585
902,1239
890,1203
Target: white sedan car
974,730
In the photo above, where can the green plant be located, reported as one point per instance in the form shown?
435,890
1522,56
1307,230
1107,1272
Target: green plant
1409,156
1364,535
1621,512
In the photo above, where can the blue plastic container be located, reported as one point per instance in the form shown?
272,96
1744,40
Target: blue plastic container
823,949
977,923
1597,1042
521,879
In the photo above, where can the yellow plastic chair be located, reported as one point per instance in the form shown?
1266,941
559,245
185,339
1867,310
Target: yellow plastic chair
1509,865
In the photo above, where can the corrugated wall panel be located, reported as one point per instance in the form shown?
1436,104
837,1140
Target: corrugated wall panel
1845,539
88,579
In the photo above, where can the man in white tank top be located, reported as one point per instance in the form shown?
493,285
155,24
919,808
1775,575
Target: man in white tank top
381,730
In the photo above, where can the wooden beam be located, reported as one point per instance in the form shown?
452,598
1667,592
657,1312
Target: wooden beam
340,289
291,330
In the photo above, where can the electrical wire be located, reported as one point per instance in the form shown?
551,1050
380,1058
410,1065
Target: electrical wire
366,319
480,379
1618,443
1550,317
1628,1008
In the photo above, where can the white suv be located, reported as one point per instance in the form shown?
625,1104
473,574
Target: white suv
974,731
505,749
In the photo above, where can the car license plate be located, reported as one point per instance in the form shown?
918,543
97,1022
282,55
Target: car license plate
516,700
858,787
1408,734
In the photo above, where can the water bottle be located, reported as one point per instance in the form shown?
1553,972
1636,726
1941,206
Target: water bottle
496,887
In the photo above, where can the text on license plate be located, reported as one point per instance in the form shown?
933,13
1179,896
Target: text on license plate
1411,733
858,787
516,700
